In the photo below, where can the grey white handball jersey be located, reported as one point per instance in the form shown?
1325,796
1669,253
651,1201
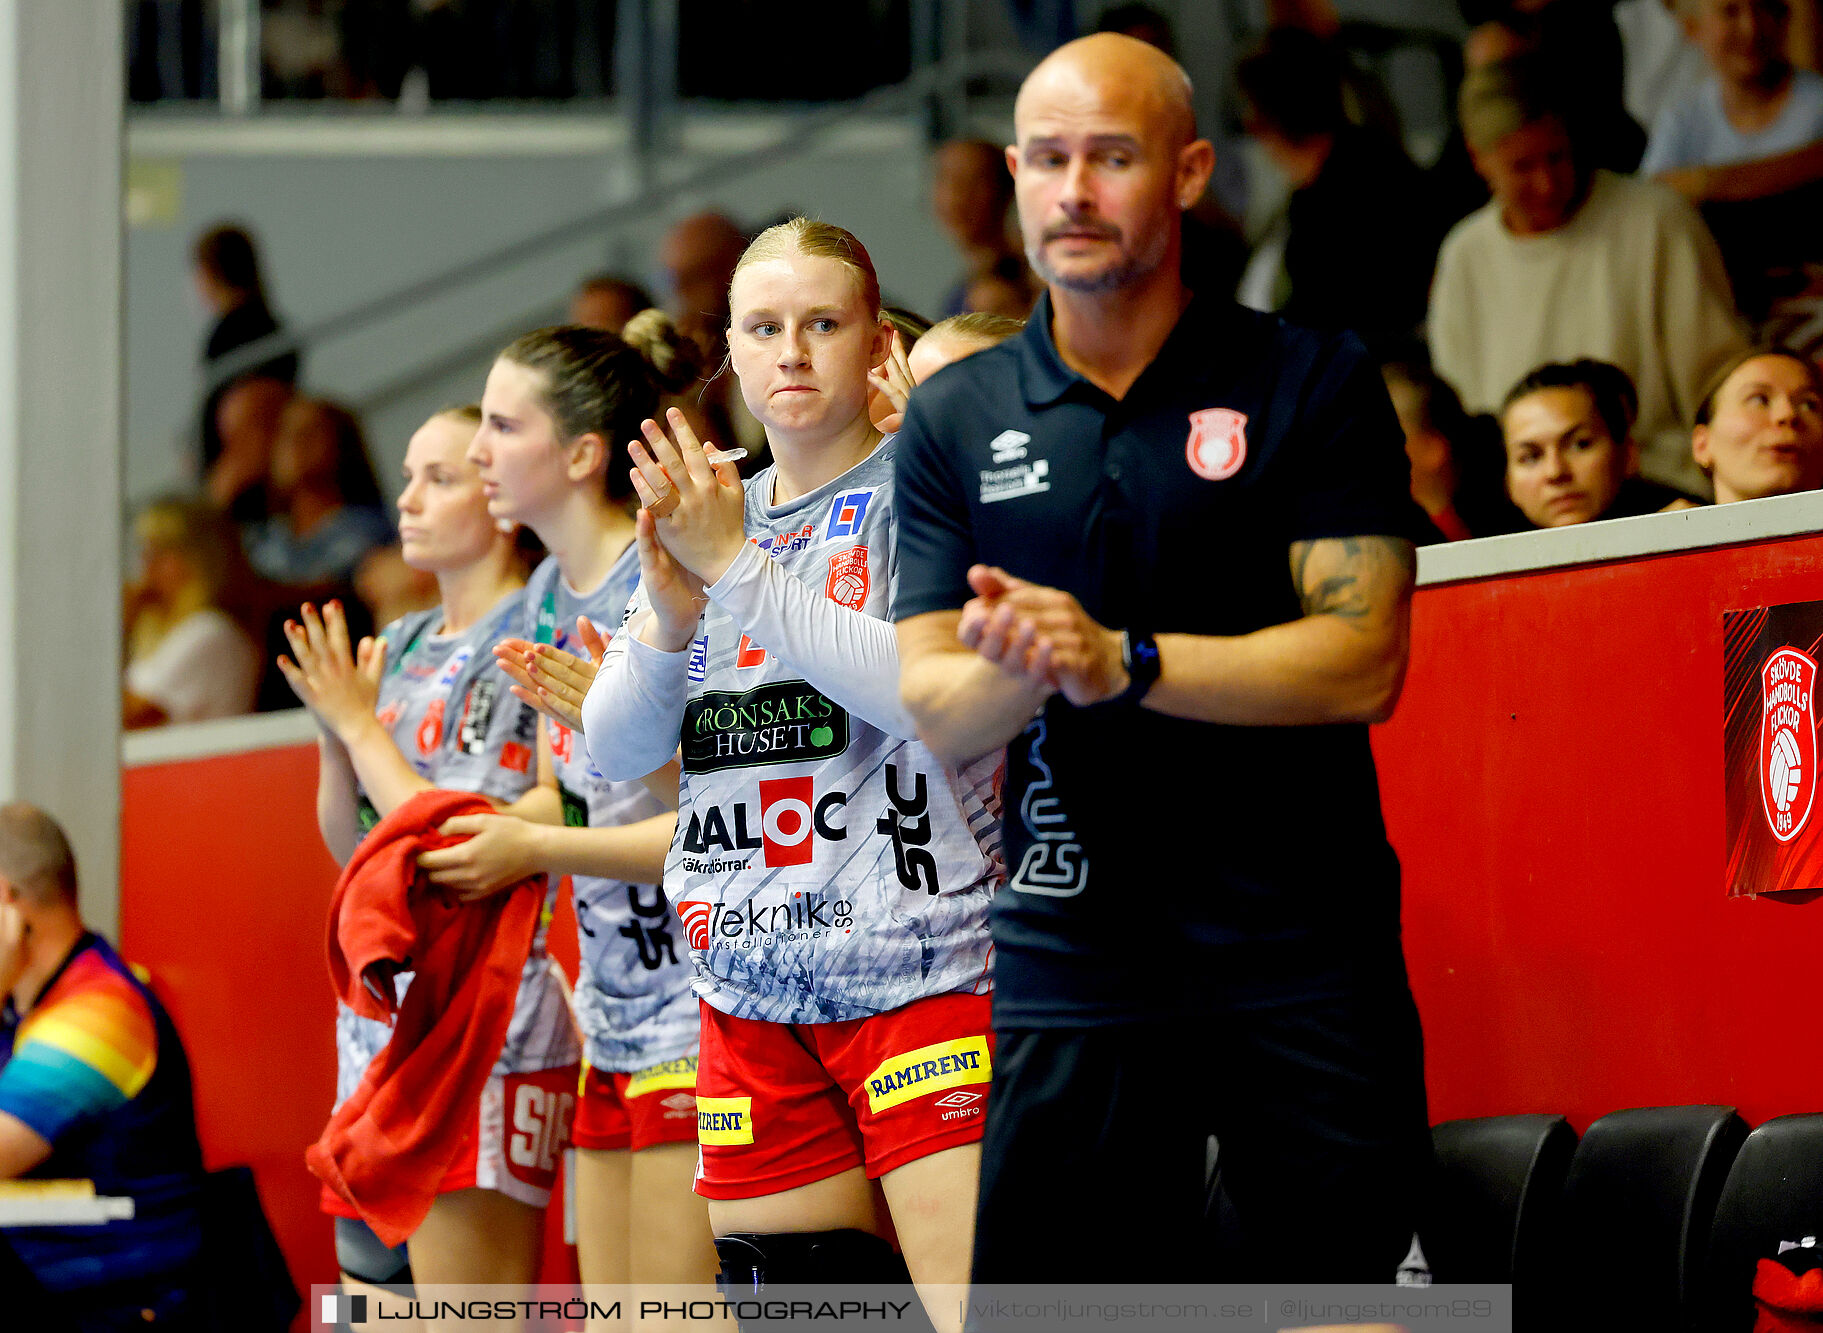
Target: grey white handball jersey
445,702
824,868
633,998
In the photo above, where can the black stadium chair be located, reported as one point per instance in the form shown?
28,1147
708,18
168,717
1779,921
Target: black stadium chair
1494,1196
1637,1205
1774,1194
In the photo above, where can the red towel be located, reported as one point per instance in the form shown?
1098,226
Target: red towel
386,1148
1786,1301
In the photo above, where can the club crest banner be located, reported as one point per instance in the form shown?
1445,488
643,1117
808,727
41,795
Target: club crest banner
1769,731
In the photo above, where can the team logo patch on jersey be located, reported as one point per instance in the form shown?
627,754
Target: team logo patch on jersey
1217,444
937,1068
452,669
770,724
477,712
430,730
663,1077
776,544
749,655
696,922
1788,741
785,824
724,1120
906,820
847,584
846,513
698,667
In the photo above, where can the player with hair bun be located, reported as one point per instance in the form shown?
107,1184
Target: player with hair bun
554,401
834,875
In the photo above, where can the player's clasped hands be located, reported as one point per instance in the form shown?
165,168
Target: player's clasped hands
551,680
1042,635
696,499
338,683
689,529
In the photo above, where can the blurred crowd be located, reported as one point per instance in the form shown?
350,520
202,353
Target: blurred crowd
1602,298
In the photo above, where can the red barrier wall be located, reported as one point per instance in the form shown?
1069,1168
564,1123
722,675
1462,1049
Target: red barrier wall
224,897
1553,783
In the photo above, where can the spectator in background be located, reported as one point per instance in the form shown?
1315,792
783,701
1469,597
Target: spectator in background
1660,65
1759,432
1458,466
1361,238
187,658
225,267
1569,445
607,301
326,507
95,1086
1008,289
1579,45
699,255
389,588
1565,263
1738,134
247,422
971,193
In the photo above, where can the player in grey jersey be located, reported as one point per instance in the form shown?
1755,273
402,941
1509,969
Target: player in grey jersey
425,706
554,399
833,876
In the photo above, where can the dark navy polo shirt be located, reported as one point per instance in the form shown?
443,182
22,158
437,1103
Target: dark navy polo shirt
1157,864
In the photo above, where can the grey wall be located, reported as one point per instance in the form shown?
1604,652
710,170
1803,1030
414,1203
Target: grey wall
344,213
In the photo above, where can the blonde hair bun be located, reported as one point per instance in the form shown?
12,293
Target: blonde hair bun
676,360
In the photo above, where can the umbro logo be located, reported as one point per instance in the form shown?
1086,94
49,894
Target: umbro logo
1009,446
958,1099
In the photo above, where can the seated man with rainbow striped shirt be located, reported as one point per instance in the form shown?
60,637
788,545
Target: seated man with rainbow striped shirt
94,1085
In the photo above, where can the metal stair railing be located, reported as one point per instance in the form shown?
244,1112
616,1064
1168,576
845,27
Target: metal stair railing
798,137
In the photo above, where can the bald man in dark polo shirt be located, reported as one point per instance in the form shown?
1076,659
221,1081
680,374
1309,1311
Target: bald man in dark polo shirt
1160,547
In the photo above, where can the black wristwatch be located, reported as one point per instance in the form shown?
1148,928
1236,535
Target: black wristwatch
1139,655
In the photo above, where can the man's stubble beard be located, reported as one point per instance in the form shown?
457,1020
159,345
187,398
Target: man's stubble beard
1125,271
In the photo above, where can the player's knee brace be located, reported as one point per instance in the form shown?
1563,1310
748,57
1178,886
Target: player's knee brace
752,1261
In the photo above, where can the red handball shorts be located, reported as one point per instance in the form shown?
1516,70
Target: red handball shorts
638,1109
780,1105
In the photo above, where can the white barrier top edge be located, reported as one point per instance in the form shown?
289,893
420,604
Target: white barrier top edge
227,735
1622,539
1451,562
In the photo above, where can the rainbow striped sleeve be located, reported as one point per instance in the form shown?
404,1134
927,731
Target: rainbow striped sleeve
84,1051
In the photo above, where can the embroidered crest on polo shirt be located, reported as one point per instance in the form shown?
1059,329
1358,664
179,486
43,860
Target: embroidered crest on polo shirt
1217,444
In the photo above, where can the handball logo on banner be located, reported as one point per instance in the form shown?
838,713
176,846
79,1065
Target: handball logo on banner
1788,741
1217,445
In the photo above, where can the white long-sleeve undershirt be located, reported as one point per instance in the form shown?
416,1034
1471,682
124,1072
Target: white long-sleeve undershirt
637,700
